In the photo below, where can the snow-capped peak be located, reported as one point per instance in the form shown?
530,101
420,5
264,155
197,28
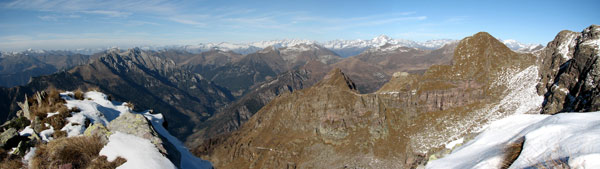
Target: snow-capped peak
520,47
381,40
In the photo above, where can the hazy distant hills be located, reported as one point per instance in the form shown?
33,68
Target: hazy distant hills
18,68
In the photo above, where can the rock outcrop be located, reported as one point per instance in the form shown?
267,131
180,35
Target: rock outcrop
570,70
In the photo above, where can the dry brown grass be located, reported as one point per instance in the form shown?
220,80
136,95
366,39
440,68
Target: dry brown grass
512,152
59,120
551,164
78,94
101,162
52,102
77,151
12,163
8,161
59,134
130,105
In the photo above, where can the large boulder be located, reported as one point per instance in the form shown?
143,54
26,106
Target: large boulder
138,125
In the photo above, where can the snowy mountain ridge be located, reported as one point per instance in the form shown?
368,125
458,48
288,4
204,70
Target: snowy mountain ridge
344,48
521,47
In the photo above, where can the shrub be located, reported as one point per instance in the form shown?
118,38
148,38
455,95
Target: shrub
101,162
43,110
130,105
59,120
53,97
59,134
78,94
77,151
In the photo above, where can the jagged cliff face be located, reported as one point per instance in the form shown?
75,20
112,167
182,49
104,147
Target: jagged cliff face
331,125
570,72
231,117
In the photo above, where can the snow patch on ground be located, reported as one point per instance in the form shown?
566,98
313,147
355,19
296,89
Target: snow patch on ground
27,131
521,97
51,114
451,145
565,47
139,152
95,107
569,137
46,135
188,160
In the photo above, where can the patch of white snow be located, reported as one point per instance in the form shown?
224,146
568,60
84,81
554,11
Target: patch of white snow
139,152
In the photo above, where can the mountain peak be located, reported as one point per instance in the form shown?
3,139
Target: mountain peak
381,40
482,35
337,79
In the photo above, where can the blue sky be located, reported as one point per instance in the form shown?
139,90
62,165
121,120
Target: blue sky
67,24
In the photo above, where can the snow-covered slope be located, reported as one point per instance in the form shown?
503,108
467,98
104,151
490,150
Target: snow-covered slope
139,152
564,139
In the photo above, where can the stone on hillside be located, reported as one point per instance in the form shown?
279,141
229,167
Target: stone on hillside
97,129
138,125
25,108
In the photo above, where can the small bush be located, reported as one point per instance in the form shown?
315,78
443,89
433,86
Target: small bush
78,94
59,134
78,151
101,162
59,120
53,97
42,111
130,105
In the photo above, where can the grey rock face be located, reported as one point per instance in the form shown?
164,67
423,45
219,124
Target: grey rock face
136,124
570,72
7,135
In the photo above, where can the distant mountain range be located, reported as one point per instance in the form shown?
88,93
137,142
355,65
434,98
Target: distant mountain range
343,48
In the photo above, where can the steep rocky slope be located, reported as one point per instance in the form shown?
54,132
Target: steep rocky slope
570,72
148,81
331,125
231,117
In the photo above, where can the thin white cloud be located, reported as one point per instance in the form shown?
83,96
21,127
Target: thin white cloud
188,21
58,17
108,13
124,6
